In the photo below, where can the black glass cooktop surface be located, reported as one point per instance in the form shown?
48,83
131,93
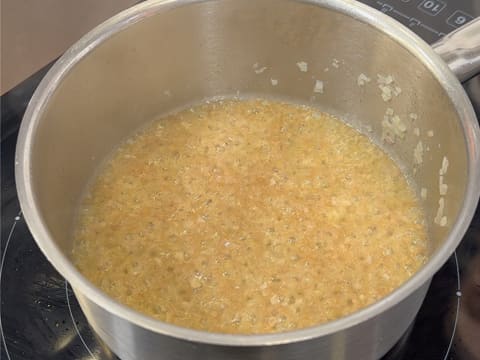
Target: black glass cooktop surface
41,319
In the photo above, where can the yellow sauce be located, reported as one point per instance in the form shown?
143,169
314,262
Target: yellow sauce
249,217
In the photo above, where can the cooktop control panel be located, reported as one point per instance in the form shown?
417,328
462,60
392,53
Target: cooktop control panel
431,19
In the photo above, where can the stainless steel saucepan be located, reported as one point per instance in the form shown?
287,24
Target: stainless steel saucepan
161,55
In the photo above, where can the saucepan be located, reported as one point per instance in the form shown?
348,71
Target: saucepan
338,55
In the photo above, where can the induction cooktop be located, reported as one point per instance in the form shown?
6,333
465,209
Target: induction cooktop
41,319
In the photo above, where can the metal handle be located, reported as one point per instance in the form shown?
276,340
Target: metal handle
461,50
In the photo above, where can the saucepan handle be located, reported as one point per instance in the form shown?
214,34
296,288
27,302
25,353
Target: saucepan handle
461,50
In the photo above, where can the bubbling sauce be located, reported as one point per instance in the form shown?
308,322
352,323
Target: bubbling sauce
249,216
